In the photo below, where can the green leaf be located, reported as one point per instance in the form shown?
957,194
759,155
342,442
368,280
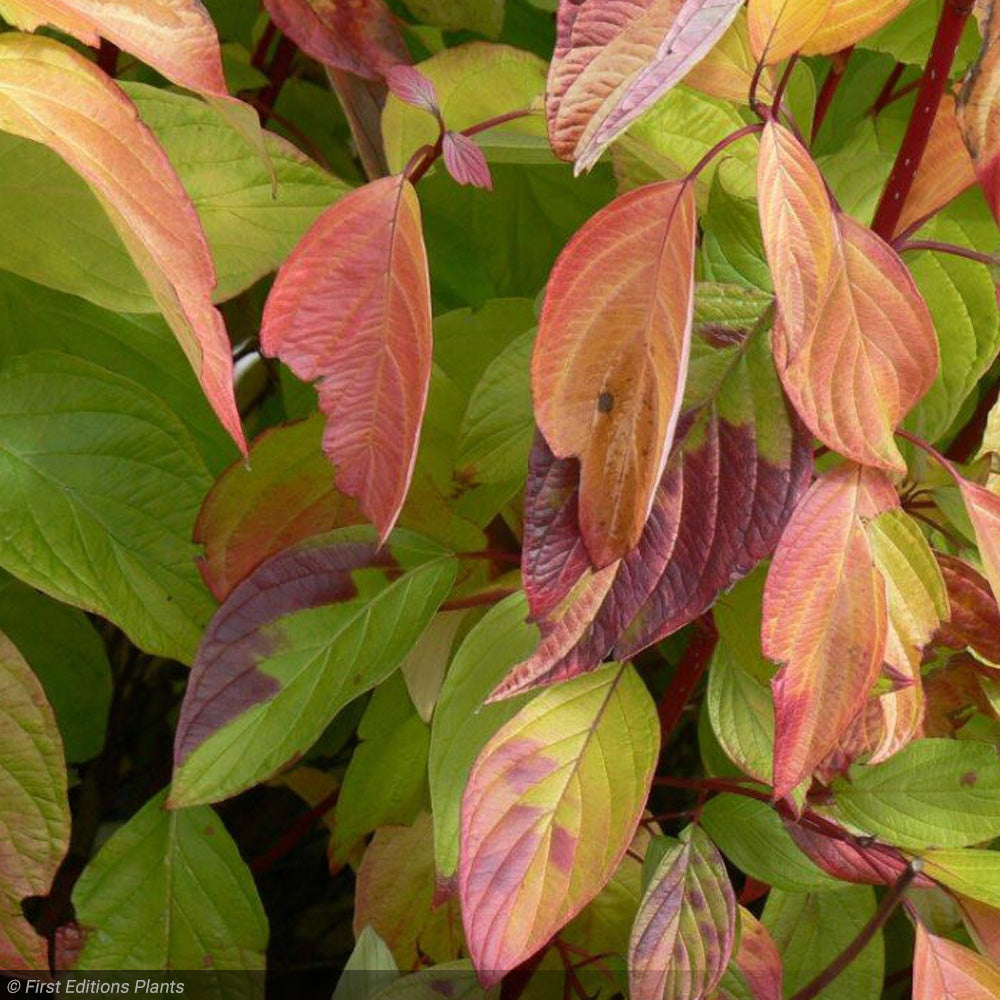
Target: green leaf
370,967
141,348
738,699
676,132
553,802
454,980
169,891
909,35
279,660
969,872
812,929
474,82
932,793
99,488
462,724
857,171
732,246
386,780
962,299
752,836
484,16
66,654
499,426
34,811
52,222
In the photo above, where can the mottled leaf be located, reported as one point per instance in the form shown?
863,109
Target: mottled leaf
685,929
850,859
463,724
825,618
395,896
99,487
357,36
34,810
854,341
168,891
933,793
351,308
51,95
975,618
310,630
945,970
611,357
549,810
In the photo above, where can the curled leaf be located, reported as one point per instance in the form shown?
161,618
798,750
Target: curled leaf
825,618
549,810
684,932
351,308
52,95
854,341
611,356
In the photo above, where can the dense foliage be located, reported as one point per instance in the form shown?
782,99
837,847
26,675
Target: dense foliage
502,495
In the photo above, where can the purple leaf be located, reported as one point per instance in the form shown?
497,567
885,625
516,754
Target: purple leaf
465,162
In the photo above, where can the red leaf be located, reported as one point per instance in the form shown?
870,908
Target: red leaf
351,307
854,341
611,356
176,37
825,618
975,618
411,86
52,95
984,513
944,970
465,161
359,36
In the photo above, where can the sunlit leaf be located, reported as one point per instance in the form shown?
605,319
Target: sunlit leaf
550,808
825,618
52,95
779,28
358,36
945,970
854,341
849,21
611,357
969,871
933,793
310,630
332,316
685,929
197,909
34,810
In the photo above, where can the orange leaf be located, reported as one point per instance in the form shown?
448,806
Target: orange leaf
611,356
984,513
176,37
978,105
825,618
853,341
944,970
779,28
945,171
52,95
849,21
351,307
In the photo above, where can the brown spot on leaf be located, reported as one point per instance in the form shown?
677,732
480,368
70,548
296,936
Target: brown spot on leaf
605,402
969,779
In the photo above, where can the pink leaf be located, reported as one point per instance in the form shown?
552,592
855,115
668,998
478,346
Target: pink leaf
52,95
358,36
465,162
351,307
411,86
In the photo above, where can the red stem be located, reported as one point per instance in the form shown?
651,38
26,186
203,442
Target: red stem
689,671
484,600
259,57
510,116
294,835
281,66
885,94
779,91
954,15
829,88
722,144
956,251
967,440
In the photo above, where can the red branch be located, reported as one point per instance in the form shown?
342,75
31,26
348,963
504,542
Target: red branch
949,32
885,94
689,671
294,835
829,88
281,66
